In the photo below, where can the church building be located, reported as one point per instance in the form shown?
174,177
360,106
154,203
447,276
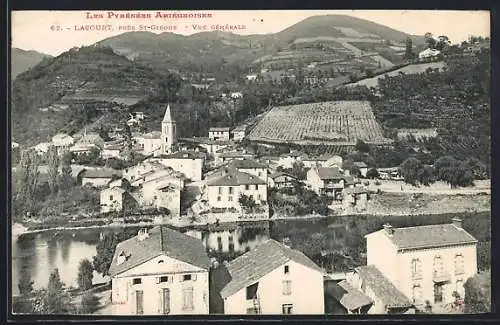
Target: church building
160,143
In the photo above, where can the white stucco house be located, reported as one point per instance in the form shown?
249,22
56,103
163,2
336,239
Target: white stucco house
62,140
160,272
273,279
326,181
112,199
425,263
189,163
99,178
219,133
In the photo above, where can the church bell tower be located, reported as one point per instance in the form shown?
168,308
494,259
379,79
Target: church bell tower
168,132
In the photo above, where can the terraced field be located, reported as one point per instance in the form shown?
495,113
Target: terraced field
339,123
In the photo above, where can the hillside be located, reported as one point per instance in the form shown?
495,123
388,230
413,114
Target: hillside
212,50
22,60
75,87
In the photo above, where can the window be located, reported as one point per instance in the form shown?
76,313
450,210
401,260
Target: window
139,302
459,264
251,196
247,187
230,190
219,243
187,295
258,197
251,291
163,279
260,174
417,293
287,269
256,187
230,198
111,197
220,190
459,288
219,198
137,281
438,266
186,277
416,268
287,287
155,197
287,309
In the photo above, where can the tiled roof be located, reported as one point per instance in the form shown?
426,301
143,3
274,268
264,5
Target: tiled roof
234,154
429,236
253,265
101,173
234,178
278,174
383,289
326,173
348,296
188,154
245,164
161,240
240,128
225,129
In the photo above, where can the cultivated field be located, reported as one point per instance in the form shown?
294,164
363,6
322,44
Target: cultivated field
329,123
409,69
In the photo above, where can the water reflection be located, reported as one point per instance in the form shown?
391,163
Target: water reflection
40,254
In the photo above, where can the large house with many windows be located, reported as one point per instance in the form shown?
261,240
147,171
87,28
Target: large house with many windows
426,263
160,272
271,279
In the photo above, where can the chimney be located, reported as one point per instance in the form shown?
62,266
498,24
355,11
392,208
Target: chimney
388,228
457,222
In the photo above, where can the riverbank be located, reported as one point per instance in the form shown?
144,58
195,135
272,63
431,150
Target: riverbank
388,204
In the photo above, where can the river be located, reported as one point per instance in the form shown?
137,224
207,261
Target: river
39,254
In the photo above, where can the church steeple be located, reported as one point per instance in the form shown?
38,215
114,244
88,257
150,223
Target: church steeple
168,132
168,115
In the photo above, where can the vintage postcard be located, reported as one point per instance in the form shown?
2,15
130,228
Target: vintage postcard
250,162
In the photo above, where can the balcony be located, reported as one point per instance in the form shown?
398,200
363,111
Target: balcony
440,277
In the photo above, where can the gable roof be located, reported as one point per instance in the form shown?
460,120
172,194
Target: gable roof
152,135
360,164
161,241
245,164
348,296
278,174
429,236
356,190
390,296
168,115
253,265
114,189
327,173
234,178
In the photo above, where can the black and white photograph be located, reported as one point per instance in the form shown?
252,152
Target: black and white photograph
275,162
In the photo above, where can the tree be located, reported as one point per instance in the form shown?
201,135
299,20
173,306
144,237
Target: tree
372,173
53,168
85,274
247,202
362,146
24,303
27,183
426,175
89,303
298,170
429,40
411,169
57,299
105,251
478,293
409,51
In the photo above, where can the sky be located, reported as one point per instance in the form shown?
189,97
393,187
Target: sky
37,30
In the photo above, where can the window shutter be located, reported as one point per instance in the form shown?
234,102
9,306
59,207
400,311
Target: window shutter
157,280
193,277
181,278
160,300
